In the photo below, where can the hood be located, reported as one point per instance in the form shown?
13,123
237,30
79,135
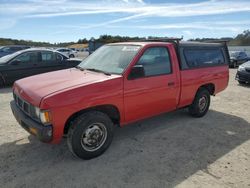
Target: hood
34,88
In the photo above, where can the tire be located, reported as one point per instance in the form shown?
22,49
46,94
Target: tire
71,56
201,103
241,82
94,128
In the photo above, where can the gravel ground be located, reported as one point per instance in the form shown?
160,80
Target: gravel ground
170,150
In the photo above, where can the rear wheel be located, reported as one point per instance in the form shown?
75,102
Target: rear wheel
71,56
201,103
90,135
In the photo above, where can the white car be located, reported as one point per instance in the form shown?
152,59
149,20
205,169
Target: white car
67,52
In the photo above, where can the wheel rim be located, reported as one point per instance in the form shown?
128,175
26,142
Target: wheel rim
203,103
94,137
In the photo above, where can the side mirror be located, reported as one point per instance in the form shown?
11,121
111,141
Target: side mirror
15,62
137,71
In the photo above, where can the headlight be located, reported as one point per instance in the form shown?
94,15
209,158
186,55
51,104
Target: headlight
45,117
241,68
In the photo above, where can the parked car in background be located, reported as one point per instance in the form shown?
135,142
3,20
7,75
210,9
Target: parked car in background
67,52
243,73
118,84
6,50
30,62
74,49
237,58
84,49
83,53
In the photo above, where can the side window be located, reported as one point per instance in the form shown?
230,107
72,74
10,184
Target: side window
7,49
155,61
59,57
243,54
14,49
29,57
47,56
204,57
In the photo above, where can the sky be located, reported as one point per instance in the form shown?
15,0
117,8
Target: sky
70,20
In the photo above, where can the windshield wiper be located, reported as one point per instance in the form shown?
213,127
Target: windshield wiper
80,68
97,70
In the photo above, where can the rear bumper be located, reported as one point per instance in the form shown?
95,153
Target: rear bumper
243,76
43,133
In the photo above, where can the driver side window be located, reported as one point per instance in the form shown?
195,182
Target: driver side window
155,61
29,57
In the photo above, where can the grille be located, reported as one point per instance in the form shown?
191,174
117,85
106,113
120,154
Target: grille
23,105
26,107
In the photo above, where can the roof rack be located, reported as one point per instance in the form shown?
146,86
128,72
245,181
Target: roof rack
216,41
165,39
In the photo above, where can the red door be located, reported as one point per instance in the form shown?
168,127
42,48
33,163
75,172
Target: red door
156,91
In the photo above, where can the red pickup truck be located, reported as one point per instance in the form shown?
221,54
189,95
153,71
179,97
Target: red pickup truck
118,84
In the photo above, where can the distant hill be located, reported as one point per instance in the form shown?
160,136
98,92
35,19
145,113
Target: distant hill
242,39
78,45
8,41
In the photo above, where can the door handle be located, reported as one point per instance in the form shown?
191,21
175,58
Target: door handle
171,83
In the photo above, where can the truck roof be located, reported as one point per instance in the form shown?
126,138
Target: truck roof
181,43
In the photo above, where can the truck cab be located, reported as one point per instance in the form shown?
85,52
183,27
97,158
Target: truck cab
119,84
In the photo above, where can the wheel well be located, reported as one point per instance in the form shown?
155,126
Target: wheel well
210,87
110,110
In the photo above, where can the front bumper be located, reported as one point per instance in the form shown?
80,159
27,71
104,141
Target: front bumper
43,133
243,76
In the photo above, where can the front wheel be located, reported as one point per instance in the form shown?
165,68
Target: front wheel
71,56
90,135
201,103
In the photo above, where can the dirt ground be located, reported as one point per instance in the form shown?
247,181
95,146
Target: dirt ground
170,150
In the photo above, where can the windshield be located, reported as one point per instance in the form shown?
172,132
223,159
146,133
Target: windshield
6,58
110,58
